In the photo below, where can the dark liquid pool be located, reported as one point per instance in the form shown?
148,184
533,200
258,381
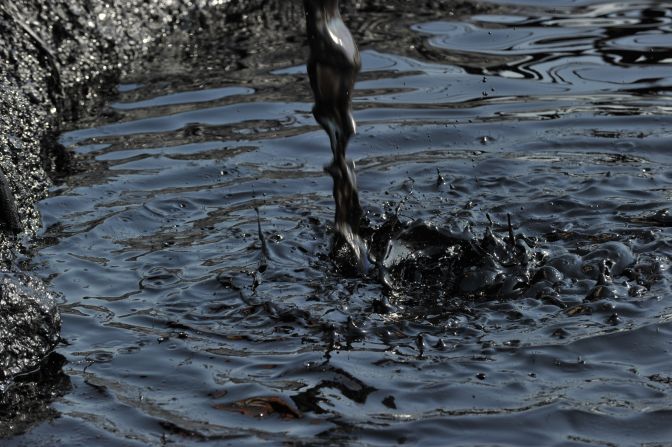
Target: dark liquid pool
180,328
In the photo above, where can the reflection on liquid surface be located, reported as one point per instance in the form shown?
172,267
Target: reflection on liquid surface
556,113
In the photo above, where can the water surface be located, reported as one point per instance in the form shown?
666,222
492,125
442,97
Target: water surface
179,330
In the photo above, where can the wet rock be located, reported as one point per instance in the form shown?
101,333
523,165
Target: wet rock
9,215
28,400
29,324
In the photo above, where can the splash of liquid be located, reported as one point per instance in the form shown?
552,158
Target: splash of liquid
333,65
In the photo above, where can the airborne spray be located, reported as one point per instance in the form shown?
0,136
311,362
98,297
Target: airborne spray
333,65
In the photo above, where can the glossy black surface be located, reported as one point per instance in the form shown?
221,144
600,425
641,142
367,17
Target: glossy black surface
181,331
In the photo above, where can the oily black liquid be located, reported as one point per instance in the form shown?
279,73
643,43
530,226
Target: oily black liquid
333,65
187,325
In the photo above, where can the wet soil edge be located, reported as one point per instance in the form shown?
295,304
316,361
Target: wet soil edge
58,58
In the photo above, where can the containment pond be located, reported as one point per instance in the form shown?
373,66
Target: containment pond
514,169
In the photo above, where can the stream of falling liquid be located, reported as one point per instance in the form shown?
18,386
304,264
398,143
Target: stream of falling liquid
333,65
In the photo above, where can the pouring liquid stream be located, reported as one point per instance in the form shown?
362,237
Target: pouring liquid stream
333,65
